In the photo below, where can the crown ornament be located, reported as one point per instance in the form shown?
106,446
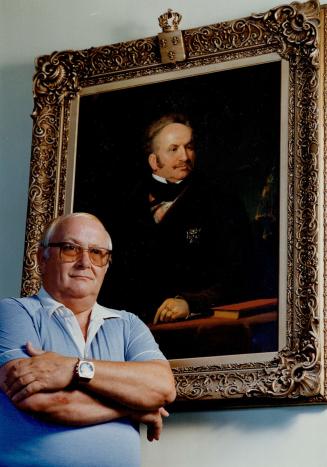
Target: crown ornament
170,20
171,42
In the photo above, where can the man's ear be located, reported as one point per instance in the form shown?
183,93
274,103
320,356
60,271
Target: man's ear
152,159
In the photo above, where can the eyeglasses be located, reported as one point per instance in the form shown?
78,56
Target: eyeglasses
69,252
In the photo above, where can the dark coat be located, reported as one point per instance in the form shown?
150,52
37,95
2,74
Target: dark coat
201,250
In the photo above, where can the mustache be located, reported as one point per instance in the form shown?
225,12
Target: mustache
187,164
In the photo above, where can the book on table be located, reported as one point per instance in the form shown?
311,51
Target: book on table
244,309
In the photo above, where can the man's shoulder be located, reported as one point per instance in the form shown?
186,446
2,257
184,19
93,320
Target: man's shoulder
207,181
114,313
30,303
18,314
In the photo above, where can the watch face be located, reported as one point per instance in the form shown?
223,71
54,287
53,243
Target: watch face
86,370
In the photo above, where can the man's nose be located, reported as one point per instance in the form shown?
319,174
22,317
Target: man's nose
84,259
183,154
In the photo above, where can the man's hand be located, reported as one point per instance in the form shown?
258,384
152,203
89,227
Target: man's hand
172,309
153,421
44,371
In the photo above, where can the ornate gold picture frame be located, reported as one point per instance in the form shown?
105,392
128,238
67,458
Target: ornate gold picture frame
293,371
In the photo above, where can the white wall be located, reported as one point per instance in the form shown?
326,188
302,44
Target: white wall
28,28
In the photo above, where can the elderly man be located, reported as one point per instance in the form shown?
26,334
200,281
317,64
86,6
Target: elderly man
76,377
186,242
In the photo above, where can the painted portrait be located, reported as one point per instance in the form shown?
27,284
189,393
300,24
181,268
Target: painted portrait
218,244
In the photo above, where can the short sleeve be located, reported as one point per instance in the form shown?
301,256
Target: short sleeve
16,328
141,344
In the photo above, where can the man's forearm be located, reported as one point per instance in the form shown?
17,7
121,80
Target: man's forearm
76,408
71,407
144,385
138,385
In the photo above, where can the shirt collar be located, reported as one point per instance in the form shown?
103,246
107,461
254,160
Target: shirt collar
163,180
51,305
100,312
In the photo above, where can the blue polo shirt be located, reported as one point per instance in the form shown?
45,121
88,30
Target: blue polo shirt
112,335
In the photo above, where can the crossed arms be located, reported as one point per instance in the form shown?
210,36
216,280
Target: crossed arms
42,385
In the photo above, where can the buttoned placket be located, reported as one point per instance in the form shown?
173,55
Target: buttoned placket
70,324
73,327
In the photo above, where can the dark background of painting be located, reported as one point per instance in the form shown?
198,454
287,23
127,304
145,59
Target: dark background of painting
236,119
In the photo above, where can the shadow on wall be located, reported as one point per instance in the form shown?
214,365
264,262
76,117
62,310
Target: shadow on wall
255,419
270,437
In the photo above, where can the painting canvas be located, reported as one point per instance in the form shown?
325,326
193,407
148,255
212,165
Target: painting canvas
237,144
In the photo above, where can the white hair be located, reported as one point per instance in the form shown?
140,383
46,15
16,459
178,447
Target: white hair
50,230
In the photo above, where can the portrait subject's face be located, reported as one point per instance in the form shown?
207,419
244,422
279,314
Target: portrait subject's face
173,152
67,281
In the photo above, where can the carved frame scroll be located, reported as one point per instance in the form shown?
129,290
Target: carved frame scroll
296,373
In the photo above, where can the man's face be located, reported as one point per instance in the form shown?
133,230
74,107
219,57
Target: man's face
80,279
173,153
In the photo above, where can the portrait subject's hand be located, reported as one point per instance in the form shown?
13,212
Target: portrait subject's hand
153,420
172,309
44,371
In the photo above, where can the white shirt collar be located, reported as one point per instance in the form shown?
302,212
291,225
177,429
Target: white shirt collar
51,305
163,180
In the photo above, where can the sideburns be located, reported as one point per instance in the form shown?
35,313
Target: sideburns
159,163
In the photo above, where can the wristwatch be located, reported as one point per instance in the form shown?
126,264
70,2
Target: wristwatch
84,371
